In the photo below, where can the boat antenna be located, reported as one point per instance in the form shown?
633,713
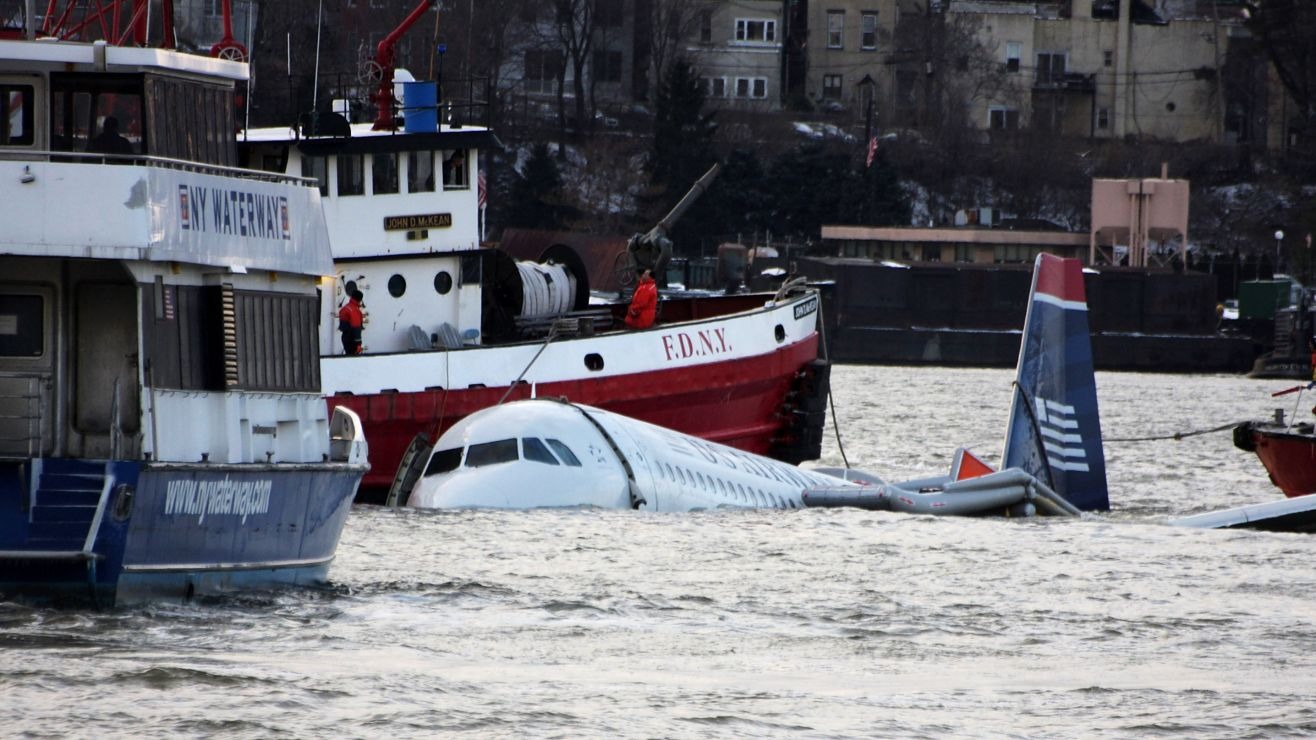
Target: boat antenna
315,88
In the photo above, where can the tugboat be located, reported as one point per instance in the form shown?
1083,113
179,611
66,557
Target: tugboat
164,433
453,326
1286,448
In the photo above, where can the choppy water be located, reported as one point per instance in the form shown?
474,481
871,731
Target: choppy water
814,623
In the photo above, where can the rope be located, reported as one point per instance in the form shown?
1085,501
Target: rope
1176,435
552,334
831,399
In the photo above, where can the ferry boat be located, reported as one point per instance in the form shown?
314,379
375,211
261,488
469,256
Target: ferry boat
163,430
453,326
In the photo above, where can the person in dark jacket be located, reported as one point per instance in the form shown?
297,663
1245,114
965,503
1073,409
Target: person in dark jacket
644,304
350,322
109,140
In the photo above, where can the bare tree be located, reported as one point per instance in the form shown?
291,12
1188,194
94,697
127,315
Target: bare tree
574,28
670,25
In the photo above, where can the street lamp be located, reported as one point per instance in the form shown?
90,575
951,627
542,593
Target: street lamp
1279,240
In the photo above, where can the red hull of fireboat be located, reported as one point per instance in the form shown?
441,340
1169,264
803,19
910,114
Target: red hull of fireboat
1289,457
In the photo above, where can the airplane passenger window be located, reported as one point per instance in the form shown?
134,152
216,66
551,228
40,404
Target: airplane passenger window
535,450
444,461
491,453
564,452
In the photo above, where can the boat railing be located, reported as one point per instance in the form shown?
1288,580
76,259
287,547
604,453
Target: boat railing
21,417
147,160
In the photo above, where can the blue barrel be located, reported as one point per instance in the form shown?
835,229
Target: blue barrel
420,109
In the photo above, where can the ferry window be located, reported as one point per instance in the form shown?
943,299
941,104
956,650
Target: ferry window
491,453
442,283
99,115
16,111
564,452
420,172
351,178
385,173
444,461
318,168
22,331
535,450
397,285
454,171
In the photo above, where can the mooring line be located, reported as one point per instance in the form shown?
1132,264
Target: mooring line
1176,435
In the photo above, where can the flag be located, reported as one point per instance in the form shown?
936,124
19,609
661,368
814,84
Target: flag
482,196
872,151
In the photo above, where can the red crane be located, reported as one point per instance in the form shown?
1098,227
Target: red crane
380,69
124,23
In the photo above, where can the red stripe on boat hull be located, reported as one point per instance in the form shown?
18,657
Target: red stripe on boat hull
737,403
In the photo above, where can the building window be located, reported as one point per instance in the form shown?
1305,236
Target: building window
541,70
868,32
608,15
756,31
715,87
752,87
1103,118
706,26
1108,58
1013,51
1050,68
836,29
1002,118
832,87
607,66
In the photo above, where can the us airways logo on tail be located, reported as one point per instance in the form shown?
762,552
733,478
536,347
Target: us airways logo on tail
1055,428
1058,424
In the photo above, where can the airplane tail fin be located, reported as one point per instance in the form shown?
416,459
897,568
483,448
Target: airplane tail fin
967,465
1055,430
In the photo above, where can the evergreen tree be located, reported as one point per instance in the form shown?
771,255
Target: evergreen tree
537,193
683,134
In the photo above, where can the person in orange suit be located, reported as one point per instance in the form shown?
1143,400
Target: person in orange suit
644,304
350,322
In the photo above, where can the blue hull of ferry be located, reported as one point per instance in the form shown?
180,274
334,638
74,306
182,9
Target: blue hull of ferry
166,531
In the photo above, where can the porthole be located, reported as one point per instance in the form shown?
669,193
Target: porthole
397,285
779,333
594,361
442,283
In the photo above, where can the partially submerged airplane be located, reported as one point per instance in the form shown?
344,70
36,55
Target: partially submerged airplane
553,453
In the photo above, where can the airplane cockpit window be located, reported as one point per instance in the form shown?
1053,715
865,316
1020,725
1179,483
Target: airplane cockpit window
535,450
564,452
444,461
491,453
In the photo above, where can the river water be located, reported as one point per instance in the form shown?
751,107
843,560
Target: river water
813,623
